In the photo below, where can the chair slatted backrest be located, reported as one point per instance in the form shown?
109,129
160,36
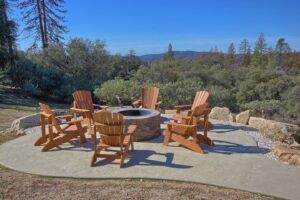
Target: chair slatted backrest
111,127
149,97
51,119
197,112
200,98
83,100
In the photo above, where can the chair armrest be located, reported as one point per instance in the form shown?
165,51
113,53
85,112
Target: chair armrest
183,106
157,104
136,103
131,129
63,116
79,110
177,124
179,107
45,115
101,106
74,122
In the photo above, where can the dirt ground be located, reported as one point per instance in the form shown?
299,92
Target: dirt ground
17,185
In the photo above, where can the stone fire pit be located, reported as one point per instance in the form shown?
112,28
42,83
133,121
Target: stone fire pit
147,121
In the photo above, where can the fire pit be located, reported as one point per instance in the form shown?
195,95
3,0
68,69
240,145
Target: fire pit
147,121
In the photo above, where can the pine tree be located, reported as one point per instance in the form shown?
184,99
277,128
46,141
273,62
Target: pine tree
7,36
282,52
259,58
169,56
245,51
44,19
230,57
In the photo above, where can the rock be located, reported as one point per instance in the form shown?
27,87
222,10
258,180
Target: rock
20,132
222,114
243,117
294,160
285,153
31,120
25,122
232,117
277,131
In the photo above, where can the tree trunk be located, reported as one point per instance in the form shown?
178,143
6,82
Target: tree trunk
8,35
41,23
45,23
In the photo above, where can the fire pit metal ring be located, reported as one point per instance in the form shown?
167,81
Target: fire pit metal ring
147,121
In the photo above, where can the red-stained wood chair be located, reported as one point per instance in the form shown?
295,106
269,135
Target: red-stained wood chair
83,104
180,132
201,97
149,98
111,128
51,139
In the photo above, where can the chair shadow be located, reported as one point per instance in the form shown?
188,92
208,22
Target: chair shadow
226,128
228,148
76,145
141,157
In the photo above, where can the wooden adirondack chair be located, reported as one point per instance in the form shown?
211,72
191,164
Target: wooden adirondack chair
149,98
201,97
180,132
61,135
83,103
111,128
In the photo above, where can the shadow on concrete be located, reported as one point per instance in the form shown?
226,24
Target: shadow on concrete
226,128
228,148
143,157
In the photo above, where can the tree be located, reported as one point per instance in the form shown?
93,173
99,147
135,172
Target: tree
44,19
7,36
169,56
282,52
230,57
259,58
245,51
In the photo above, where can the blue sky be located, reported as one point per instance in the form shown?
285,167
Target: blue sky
147,26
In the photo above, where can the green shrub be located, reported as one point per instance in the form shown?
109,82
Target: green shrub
268,107
179,92
30,89
128,91
220,96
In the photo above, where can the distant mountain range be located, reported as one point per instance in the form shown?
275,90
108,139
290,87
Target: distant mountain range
178,55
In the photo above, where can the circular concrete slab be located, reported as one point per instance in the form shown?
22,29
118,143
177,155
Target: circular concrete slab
236,161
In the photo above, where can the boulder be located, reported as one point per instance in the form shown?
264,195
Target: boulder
285,153
243,117
276,131
31,121
222,114
25,122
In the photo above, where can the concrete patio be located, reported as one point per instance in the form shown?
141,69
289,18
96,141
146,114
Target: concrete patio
236,162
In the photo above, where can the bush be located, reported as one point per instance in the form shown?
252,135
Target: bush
268,107
220,96
128,91
45,82
179,92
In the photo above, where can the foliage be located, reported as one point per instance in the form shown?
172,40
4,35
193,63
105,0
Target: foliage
44,82
127,91
7,36
44,19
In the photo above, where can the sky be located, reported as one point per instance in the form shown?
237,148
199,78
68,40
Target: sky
148,26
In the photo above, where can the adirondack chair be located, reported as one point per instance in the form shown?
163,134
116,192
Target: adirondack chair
180,132
83,104
149,98
201,97
111,128
73,129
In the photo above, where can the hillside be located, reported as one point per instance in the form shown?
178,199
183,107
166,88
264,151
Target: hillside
178,55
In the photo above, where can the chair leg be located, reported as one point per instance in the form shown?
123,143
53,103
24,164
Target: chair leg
123,155
94,158
194,146
131,142
167,137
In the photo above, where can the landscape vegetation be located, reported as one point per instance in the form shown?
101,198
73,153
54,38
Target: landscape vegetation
262,78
